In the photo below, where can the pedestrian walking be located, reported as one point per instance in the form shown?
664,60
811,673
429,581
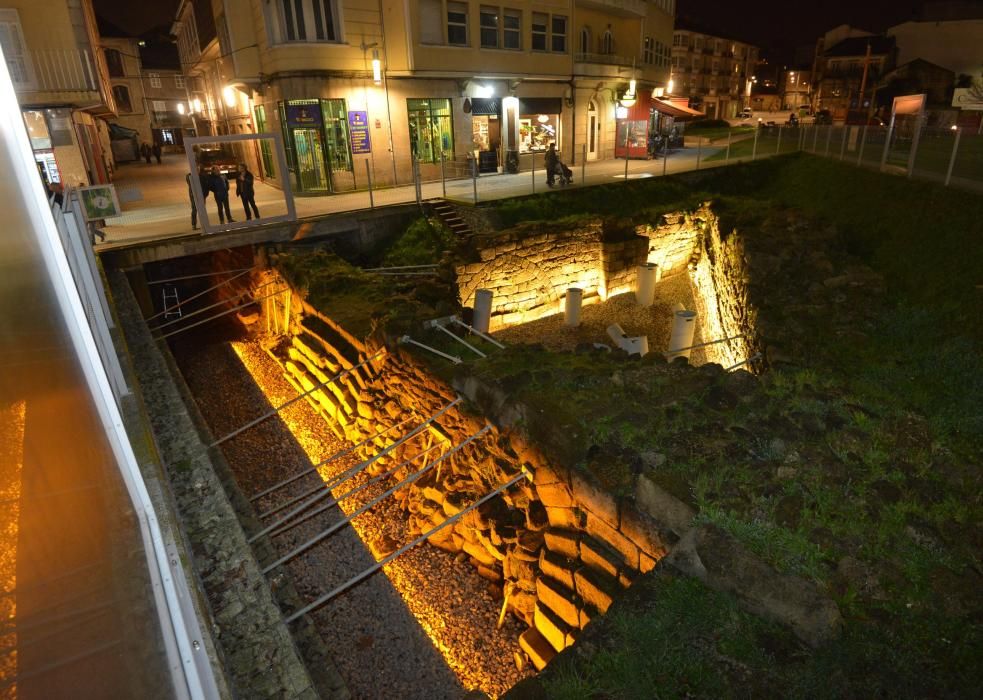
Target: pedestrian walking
246,192
156,150
145,151
191,196
219,187
551,162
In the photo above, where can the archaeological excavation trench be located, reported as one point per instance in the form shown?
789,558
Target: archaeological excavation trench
399,505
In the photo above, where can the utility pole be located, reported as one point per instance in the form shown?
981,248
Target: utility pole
863,81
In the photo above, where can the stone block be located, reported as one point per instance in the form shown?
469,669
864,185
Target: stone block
613,538
558,567
523,604
537,648
559,599
570,518
563,542
592,497
662,506
645,532
557,632
479,553
598,556
555,495
596,588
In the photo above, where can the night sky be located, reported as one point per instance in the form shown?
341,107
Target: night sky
778,26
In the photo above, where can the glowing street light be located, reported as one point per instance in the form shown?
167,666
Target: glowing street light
376,68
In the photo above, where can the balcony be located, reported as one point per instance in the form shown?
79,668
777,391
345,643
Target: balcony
635,9
61,70
608,59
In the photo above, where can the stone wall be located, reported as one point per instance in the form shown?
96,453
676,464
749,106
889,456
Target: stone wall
560,547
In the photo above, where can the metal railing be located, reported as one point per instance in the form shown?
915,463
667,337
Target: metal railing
68,70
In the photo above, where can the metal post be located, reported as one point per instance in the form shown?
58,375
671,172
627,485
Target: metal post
729,135
863,142
754,148
665,156
952,158
368,177
583,167
533,157
815,137
416,181
846,131
778,144
443,181
802,137
914,145
829,135
887,143
474,185
699,150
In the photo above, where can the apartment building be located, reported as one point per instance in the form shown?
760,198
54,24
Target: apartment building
62,85
849,63
714,72
368,88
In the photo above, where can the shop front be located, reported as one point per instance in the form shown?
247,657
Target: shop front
486,131
317,144
634,126
539,123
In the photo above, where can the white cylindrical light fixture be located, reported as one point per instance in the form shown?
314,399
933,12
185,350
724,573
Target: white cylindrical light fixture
482,310
571,310
683,329
376,68
648,275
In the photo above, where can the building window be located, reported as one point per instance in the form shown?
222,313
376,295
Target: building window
121,95
677,39
336,134
154,79
648,55
14,49
179,81
489,27
512,29
431,129
114,61
457,23
607,43
540,23
308,20
160,110
585,40
559,36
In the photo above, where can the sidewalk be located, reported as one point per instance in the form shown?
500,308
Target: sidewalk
155,201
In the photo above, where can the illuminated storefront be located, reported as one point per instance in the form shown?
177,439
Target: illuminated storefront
316,141
539,123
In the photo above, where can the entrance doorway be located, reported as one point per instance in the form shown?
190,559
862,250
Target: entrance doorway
311,173
593,127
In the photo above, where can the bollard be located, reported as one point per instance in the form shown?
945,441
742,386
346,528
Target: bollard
571,310
533,156
443,180
482,310
648,275
683,328
699,150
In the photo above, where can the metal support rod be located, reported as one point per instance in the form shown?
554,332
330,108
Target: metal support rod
778,144
754,148
846,131
298,397
491,340
708,343
203,274
829,135
46,668
453,358
915,141
533,159
474,184
583,166
220,315
283,524
341,523
194,313
368,177
863,141
755,356
310,470
815,137
699,150
665,157
462,341
168,309
952,158
729,136
349,473
443,180
288,523
397,267
405,548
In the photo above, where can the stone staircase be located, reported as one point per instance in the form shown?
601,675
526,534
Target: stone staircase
448,214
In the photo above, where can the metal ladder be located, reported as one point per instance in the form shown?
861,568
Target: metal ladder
171,298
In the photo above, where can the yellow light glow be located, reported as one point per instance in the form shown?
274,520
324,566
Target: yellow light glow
376,71
180,108
11,466
229,95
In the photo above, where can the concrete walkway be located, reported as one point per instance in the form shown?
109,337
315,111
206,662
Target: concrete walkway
155,203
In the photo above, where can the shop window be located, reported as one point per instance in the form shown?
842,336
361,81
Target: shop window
488,20
121,95
540,24
607,43
336,134
114,61
512,29
265,146
538,131
677,39
457,23
308,20
431,129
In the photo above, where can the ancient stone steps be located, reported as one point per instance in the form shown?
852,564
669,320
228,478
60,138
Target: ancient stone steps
450,218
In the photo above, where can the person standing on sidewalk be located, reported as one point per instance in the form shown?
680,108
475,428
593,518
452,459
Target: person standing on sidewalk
551,162
219,187
145,151
246,192
156,150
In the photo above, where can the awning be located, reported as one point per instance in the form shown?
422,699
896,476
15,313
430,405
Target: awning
486,106
675,111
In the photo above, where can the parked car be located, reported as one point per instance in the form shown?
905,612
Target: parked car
745,113
220,157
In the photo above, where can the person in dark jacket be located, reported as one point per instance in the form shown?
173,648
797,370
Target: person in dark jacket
219,186
246,192
156,150
202,180
551,162
145,151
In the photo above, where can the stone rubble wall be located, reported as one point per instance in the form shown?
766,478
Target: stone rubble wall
561,548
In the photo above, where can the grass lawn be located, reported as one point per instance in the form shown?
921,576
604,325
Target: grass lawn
719,133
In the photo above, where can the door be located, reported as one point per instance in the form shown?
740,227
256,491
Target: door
592,131
311,173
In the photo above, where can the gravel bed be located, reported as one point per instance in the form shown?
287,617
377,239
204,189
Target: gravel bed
654,321
424,630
